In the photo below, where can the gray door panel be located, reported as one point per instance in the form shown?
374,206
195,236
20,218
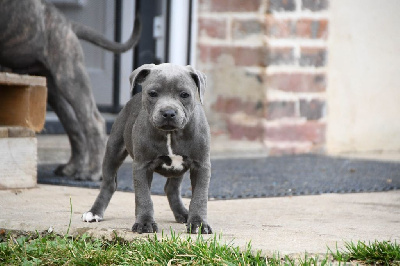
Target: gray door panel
99,15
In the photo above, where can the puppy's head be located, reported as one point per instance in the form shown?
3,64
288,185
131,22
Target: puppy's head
169,93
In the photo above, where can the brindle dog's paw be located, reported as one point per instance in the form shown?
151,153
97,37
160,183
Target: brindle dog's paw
194,225
82,175
146,227
95,174
68,169
87,175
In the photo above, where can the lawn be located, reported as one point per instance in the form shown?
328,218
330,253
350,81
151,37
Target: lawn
51,249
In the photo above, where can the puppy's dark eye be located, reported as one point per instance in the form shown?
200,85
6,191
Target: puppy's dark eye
184,94
153,94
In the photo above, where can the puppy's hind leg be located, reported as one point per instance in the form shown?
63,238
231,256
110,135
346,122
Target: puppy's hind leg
114,157
173,190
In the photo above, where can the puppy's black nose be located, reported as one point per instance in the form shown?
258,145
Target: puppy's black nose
169,114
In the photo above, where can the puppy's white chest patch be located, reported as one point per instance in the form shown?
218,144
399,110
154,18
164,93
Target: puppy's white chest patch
176,160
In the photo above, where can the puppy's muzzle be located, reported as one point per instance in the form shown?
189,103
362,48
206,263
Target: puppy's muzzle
169,117
169,120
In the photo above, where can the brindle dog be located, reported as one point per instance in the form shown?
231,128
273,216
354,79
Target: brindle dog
35,38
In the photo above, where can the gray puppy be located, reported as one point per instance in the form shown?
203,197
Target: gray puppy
164,130
35,38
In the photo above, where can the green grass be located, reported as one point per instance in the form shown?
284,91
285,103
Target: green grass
377,252
52,249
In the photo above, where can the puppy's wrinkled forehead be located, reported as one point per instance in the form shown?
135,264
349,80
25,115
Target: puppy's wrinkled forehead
169,78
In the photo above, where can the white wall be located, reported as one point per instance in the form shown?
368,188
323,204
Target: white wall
179,26
364,76
128,20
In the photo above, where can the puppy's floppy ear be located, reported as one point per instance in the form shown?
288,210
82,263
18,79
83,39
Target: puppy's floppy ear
140,74
200,79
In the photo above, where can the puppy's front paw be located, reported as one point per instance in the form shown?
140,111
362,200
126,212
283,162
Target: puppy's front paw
89,217
181,217
194,224
146,227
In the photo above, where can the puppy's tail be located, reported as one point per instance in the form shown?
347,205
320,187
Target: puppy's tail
88,34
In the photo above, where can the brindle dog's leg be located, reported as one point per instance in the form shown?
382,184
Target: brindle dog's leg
77,140
72,81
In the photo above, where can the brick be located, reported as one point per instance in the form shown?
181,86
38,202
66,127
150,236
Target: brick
280,109
249,56
280,56
229,5
312,110
303,28
210,53
230,105
312,29
238,132
314,5
313,57
212,28
278,28
242,55
310,131
296,82
281,5
322,30
242,29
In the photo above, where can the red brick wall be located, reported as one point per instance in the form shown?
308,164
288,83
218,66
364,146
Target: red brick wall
232,52
295,80
265,62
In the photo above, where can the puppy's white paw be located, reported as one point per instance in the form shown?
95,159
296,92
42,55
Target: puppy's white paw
89,217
